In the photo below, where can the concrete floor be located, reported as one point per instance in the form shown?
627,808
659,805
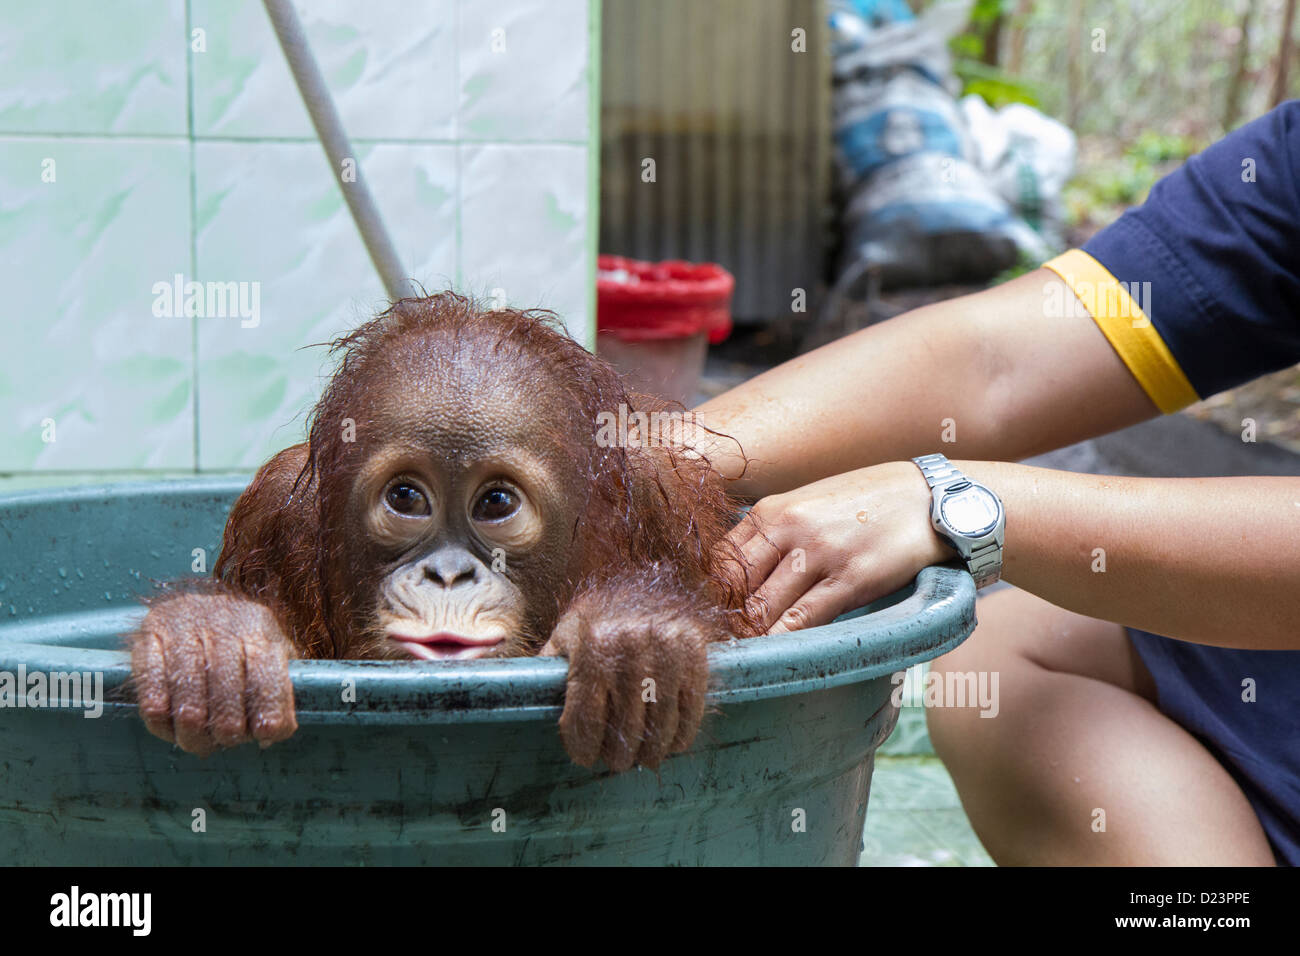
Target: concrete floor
913,816
915,819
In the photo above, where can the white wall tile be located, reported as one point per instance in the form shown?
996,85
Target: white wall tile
524,222
524,70
269,213
390,66
79,257
87,66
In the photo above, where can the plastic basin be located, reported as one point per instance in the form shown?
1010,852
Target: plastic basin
433,763
656,320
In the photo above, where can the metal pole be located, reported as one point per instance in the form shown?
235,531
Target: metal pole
329,130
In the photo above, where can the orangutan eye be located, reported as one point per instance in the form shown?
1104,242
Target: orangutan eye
495,504
406,499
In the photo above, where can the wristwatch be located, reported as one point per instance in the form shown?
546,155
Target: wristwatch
968,515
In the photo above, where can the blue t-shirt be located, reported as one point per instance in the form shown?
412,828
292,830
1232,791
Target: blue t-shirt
1198,290
1219,241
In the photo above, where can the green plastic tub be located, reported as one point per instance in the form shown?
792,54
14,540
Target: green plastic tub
434,763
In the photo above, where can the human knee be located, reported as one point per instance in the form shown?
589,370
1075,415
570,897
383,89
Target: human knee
995,647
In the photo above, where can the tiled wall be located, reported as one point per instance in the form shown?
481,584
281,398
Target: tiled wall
128,155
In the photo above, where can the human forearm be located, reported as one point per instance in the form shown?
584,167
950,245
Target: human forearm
1210,560
987,376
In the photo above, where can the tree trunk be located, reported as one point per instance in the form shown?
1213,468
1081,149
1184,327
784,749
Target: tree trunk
1284,52
1074,65
1016,38
993,40
1232,105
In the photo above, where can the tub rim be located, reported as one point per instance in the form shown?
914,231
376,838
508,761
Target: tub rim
929,617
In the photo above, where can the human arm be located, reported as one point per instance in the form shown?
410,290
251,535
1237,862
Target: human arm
1004,372
1214,271
1190,558
1060,354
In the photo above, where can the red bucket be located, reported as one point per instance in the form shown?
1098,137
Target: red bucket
640,301
655,320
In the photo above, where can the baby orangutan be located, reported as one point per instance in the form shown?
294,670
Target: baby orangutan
456,499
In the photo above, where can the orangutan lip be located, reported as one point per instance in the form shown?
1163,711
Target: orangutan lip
446,637
444,646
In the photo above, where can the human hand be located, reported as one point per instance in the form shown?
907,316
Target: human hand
837,544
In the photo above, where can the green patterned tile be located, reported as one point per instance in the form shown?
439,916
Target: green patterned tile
87,66
524,221
914,818
912,783
269,215
951,829
899,838
524,70
79,258
390,66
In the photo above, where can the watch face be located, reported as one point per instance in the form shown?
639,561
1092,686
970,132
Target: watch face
970,512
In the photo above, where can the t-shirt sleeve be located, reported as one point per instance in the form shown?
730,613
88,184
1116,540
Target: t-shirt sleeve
1202,282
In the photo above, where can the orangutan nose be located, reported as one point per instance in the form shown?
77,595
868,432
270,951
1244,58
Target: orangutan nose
451,567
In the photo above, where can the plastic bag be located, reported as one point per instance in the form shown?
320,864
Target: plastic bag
1027,157
918,208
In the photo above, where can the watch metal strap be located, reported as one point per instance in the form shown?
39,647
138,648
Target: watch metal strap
938,470
985,565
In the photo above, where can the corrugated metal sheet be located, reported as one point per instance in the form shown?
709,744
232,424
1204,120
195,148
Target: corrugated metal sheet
738,126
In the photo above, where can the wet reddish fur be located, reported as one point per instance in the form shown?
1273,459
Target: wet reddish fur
655,515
